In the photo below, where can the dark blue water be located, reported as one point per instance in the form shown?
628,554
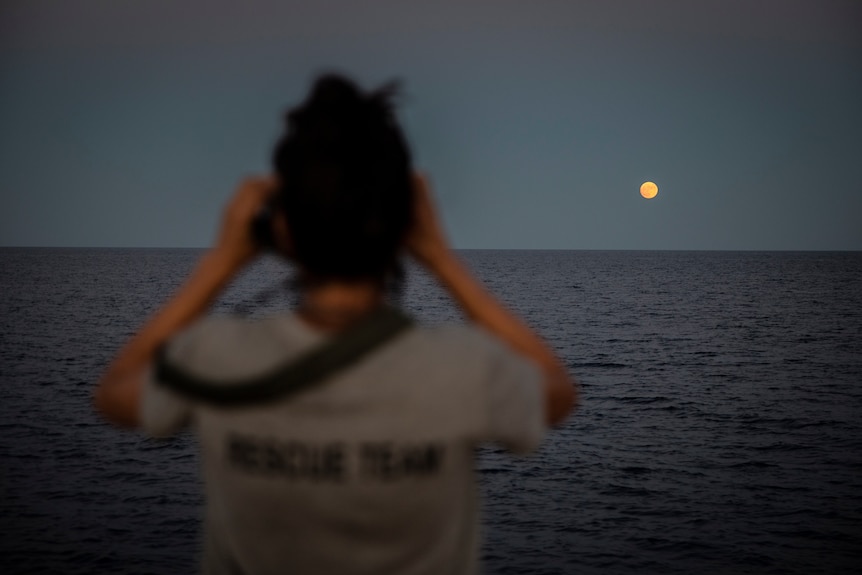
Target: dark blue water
720,431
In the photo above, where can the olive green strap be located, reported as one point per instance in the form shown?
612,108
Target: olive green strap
332,356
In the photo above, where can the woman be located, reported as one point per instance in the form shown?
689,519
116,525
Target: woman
371,469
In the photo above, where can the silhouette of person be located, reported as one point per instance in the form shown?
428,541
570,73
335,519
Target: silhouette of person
369,470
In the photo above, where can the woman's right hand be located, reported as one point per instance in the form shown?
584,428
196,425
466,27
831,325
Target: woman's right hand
426,240
427,243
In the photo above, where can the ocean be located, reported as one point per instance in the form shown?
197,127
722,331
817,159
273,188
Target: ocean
720,429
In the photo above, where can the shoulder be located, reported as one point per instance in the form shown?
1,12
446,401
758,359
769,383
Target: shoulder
207,332
467,340
501,388
456,336
464,353
234,347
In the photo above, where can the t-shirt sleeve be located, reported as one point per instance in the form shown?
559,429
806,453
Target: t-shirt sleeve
515,401
162,412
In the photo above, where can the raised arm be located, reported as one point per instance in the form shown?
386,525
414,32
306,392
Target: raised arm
428,244
118,393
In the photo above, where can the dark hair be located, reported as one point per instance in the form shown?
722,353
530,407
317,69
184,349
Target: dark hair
346,182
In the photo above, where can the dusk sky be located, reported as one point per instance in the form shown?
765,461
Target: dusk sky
129,123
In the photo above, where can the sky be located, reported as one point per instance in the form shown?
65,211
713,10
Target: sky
128,124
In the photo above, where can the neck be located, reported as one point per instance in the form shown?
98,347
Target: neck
336,305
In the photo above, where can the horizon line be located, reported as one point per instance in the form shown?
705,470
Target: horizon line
459,249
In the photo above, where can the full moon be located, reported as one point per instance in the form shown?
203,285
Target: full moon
649,190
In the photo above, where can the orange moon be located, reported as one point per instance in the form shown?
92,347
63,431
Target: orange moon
649,190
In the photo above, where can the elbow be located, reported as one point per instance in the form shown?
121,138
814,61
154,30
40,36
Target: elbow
110,403
562,399
102,404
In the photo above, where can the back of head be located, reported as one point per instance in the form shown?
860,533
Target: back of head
345,175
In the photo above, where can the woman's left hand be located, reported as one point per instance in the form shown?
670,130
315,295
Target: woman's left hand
235,241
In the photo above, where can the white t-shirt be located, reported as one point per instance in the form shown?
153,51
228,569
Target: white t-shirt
369,471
